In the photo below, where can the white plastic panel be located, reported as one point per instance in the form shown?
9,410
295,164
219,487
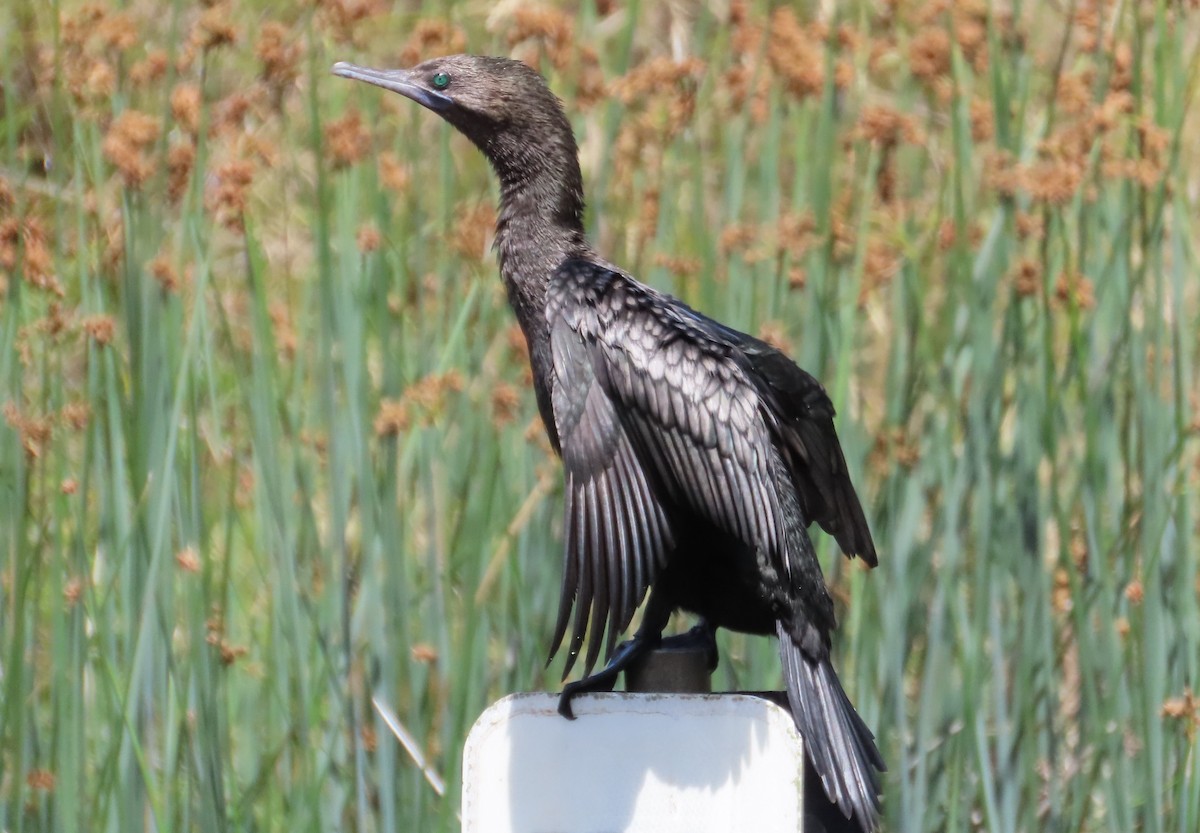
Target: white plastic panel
637,763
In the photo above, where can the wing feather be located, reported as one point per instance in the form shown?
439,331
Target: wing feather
616,528
682,399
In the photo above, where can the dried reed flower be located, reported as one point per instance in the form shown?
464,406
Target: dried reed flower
1074,94
75,415
880,264
161,270
185,107
1134,592
24,242
795,55
775,334
929,54
1001,173
1053,182
215,29
118,31
368,238
677,264
77,27
1029,278
125,145
429,394
188,560
347,140
647,222
229,196
552,32
230,653
40,779
344,16
286,340
34,432
737,237
232,112
896,447
151,69
983,120
392,418
392,172
971,34
431,38
1029,225
506,403
1186,706
1121,76
657,76
99,327
794,233
279,59
180,159
424,652
1060,596
473,230
590,85
1075,289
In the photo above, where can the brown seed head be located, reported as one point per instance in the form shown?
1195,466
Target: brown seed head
392,418
392,172
150,69
40,779
180,159
188,560
118,31
99,328
796,54
929,54
125,145
185,107
550,31
431,38
347,140
368,238
278,58
215,29
75,415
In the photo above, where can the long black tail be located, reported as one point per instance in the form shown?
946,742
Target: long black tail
839,745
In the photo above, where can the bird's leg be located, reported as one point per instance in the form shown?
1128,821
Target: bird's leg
647,638
627,654
702,636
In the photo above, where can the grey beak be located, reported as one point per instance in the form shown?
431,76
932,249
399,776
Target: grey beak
398,81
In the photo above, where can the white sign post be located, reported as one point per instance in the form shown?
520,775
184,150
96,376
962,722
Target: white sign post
634,763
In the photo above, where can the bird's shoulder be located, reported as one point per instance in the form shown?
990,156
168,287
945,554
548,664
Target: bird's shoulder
651,351
602,302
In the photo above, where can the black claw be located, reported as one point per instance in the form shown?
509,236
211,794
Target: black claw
564,704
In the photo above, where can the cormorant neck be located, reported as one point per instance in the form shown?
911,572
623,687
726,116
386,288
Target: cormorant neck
540,222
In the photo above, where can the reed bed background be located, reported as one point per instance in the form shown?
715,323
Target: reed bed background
268,446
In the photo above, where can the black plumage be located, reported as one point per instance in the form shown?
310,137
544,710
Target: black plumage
695,456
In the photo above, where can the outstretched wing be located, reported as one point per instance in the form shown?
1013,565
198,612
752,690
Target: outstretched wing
804,420
616,530
672,405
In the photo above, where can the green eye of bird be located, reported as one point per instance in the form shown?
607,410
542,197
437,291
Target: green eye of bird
442,80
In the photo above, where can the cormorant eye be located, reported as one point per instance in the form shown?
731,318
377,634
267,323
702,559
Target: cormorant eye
441,81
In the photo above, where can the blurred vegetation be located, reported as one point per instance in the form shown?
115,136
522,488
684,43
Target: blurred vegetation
268,446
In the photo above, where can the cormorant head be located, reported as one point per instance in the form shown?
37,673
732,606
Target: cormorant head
502,105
